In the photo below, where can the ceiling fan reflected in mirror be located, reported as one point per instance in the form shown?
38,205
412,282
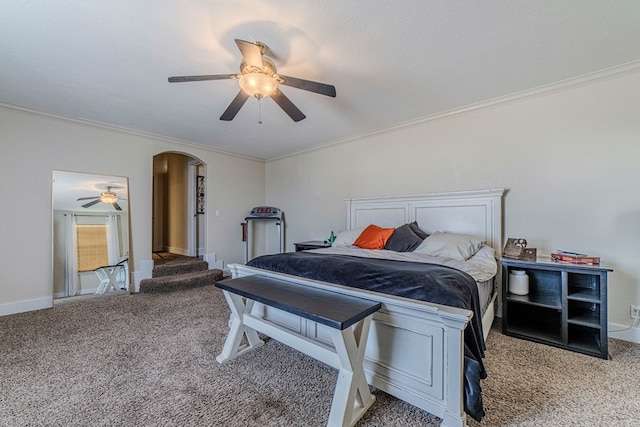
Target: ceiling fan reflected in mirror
109,197
258,78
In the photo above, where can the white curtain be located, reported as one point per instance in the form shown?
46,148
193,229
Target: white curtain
113,239
113,248
71,256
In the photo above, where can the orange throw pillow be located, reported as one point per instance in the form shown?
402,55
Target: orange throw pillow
373,237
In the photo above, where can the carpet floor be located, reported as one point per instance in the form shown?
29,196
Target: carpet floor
149,359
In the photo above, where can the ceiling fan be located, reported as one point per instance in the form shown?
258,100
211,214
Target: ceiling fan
108,197
259,78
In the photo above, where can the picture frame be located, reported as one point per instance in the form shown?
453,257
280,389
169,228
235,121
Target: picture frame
514,248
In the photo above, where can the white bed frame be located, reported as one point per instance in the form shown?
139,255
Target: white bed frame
415,350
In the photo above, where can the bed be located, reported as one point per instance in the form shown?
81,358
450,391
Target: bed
418,351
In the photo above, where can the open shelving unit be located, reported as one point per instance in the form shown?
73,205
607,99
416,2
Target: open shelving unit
566,305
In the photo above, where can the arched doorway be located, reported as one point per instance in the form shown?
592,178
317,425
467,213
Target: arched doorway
178,214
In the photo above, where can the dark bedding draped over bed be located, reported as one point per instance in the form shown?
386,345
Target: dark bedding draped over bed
425,282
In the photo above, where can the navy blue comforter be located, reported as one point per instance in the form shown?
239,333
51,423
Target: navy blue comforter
426,282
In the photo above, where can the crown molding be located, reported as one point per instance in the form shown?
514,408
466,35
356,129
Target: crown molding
88,122
540,91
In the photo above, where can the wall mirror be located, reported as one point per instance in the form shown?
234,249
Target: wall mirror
91,243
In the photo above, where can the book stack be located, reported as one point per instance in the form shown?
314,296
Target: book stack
575,258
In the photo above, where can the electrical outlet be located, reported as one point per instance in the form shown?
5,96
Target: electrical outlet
634,311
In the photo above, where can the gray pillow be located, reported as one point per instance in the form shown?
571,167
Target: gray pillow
403,239
419,232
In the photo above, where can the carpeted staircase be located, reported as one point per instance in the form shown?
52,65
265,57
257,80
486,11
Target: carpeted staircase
180,273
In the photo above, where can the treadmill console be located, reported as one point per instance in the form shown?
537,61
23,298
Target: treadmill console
264,212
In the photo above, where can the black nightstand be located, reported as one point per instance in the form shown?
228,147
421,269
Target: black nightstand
566,305
311,244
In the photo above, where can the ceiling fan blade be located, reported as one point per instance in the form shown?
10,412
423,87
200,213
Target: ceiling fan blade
87,198
117,206
321,88
251,53
180,79
235,106
288,106
88,205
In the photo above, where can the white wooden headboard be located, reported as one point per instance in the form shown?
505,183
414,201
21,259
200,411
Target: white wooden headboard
477,213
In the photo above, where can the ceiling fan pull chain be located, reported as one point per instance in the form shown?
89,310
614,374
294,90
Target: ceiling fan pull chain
259,111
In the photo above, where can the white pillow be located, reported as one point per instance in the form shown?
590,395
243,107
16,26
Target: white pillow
347,237
450,245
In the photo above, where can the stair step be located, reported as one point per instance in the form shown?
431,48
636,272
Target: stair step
179,266
181,281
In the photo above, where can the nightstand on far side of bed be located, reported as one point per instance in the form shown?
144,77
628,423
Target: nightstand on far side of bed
311,244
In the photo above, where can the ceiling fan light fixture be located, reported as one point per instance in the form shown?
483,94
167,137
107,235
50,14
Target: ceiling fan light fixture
259,78
258,85
108,197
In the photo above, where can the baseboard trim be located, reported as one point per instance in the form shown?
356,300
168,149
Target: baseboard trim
623,332
26,305
145,272
213,261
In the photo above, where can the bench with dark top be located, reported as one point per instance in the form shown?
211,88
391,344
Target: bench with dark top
348,320
329,308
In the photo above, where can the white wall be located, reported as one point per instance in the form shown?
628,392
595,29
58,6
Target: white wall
32,145
568,159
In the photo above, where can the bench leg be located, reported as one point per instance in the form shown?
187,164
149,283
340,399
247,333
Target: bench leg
104,280
102,287
232,347
108,277
352,397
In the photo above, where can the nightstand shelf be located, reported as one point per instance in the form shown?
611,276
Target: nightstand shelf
566,305
584,340
311,244
588,295
546,300
545,331
584,316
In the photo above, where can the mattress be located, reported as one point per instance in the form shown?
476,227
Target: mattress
482,266
485,294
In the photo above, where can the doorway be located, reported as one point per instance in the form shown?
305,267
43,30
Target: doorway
178,209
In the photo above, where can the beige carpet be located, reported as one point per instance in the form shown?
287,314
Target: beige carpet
149,359
532,384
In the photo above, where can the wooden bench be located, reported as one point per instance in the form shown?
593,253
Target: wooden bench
347,317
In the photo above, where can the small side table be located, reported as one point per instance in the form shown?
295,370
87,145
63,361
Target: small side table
311,244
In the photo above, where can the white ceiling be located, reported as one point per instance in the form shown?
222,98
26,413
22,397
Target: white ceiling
390,61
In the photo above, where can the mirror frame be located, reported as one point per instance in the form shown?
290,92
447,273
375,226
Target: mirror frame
88,184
